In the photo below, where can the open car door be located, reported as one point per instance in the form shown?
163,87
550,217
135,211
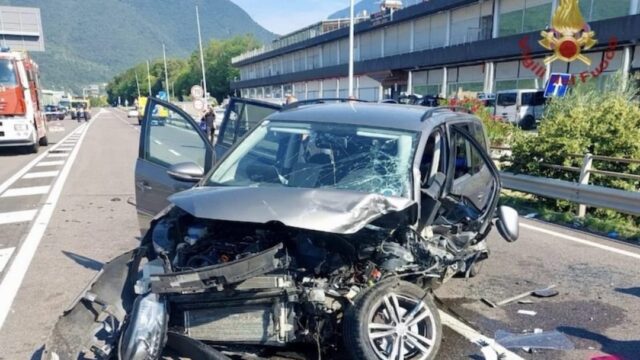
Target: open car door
173,155
240,117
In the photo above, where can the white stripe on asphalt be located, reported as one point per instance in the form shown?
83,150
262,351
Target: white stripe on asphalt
58,155
475,337
157,142
5,185
5,255
174,152
582,241
42,174
17,216
26,191
18,269
65,148
49,163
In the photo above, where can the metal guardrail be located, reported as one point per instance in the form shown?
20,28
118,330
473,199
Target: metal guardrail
627,202
580,192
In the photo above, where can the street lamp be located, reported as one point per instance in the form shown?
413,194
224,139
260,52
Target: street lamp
351,44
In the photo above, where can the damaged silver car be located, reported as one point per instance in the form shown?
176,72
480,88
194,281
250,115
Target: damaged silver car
319,233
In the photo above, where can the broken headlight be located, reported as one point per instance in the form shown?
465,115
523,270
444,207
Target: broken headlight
145,334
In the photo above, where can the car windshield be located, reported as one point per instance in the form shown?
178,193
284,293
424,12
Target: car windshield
315,155
7,73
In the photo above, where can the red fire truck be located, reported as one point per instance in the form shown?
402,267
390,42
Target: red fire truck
22,119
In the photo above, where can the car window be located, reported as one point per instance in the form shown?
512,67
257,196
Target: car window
528,99
7,73
251,116
468,161
229,130
433,158
172,139
539,99
507,99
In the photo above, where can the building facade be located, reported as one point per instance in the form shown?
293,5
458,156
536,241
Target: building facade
21,28
440,47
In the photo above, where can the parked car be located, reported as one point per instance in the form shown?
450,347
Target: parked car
320,225
132,113
53,112
523,107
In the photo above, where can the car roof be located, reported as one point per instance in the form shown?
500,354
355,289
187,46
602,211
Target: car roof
393,116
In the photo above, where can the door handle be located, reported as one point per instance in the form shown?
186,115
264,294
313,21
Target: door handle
143,185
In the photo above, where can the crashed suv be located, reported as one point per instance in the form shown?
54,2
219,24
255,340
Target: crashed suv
318,233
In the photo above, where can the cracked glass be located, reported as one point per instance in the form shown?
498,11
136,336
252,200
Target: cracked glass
320,155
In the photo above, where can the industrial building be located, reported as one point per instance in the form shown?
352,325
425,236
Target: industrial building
438,47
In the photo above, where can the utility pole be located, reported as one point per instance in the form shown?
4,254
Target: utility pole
149,79
351,45
137,84
204,75
166,73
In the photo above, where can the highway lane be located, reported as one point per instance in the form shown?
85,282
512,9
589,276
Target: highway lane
92,222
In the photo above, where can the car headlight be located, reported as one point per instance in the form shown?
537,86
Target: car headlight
21,127
145,334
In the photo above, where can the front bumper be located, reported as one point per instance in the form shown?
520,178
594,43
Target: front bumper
16,132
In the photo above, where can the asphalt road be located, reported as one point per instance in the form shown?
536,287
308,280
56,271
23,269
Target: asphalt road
84,218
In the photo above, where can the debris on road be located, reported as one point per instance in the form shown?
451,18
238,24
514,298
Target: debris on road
525,302
543,293
549,340
527,312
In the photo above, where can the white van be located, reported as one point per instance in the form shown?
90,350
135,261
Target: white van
523,107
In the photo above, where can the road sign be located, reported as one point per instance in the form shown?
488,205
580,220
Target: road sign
197,91
162,95
199,104
558,85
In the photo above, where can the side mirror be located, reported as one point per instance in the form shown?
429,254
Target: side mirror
507,223
186,172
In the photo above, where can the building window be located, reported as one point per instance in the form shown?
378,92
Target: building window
520,16
330,54
465,24
594,10
371,45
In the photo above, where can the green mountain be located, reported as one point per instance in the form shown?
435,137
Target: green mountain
89,41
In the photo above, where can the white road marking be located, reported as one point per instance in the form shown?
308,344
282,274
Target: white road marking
475,337
26,191
582,241
58,155
65,148
157,142
5,255
17,216
49,163
18,269
42,174
115,113
5,185
174,152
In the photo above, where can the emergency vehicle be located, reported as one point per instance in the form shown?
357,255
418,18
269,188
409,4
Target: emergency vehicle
22,118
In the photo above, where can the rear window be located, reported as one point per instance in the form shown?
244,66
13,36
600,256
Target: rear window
508,99
7,73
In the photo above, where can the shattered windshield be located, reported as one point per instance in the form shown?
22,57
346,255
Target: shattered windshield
316,155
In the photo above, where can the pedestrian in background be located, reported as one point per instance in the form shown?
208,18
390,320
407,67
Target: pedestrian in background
208,122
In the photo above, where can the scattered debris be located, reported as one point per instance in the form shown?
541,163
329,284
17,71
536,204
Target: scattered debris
525,302
544,293
115,199
550,340
527,312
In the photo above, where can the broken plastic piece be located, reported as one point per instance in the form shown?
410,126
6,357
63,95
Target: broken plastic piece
527,312
551,340
546,293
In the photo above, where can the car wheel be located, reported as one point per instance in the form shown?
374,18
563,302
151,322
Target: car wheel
44,141
528,123
394,319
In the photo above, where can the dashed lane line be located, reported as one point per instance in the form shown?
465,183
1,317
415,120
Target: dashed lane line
5,185
41,174
56,155
49,163
5,255
174,152
17,216
20,264
26,191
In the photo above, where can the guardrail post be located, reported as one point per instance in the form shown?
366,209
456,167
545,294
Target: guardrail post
585,174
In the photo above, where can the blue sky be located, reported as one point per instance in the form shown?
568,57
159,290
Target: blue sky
283,17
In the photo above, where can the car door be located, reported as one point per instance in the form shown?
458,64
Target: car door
240,117
472,178
173,154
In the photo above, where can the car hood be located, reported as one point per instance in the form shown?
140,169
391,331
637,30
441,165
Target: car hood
335,211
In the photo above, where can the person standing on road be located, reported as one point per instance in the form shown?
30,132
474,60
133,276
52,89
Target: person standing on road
209,120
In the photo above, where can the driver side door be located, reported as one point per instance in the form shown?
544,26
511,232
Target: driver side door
173,155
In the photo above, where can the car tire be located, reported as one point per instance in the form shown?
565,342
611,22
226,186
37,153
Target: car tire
528,123
375,306
44,141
